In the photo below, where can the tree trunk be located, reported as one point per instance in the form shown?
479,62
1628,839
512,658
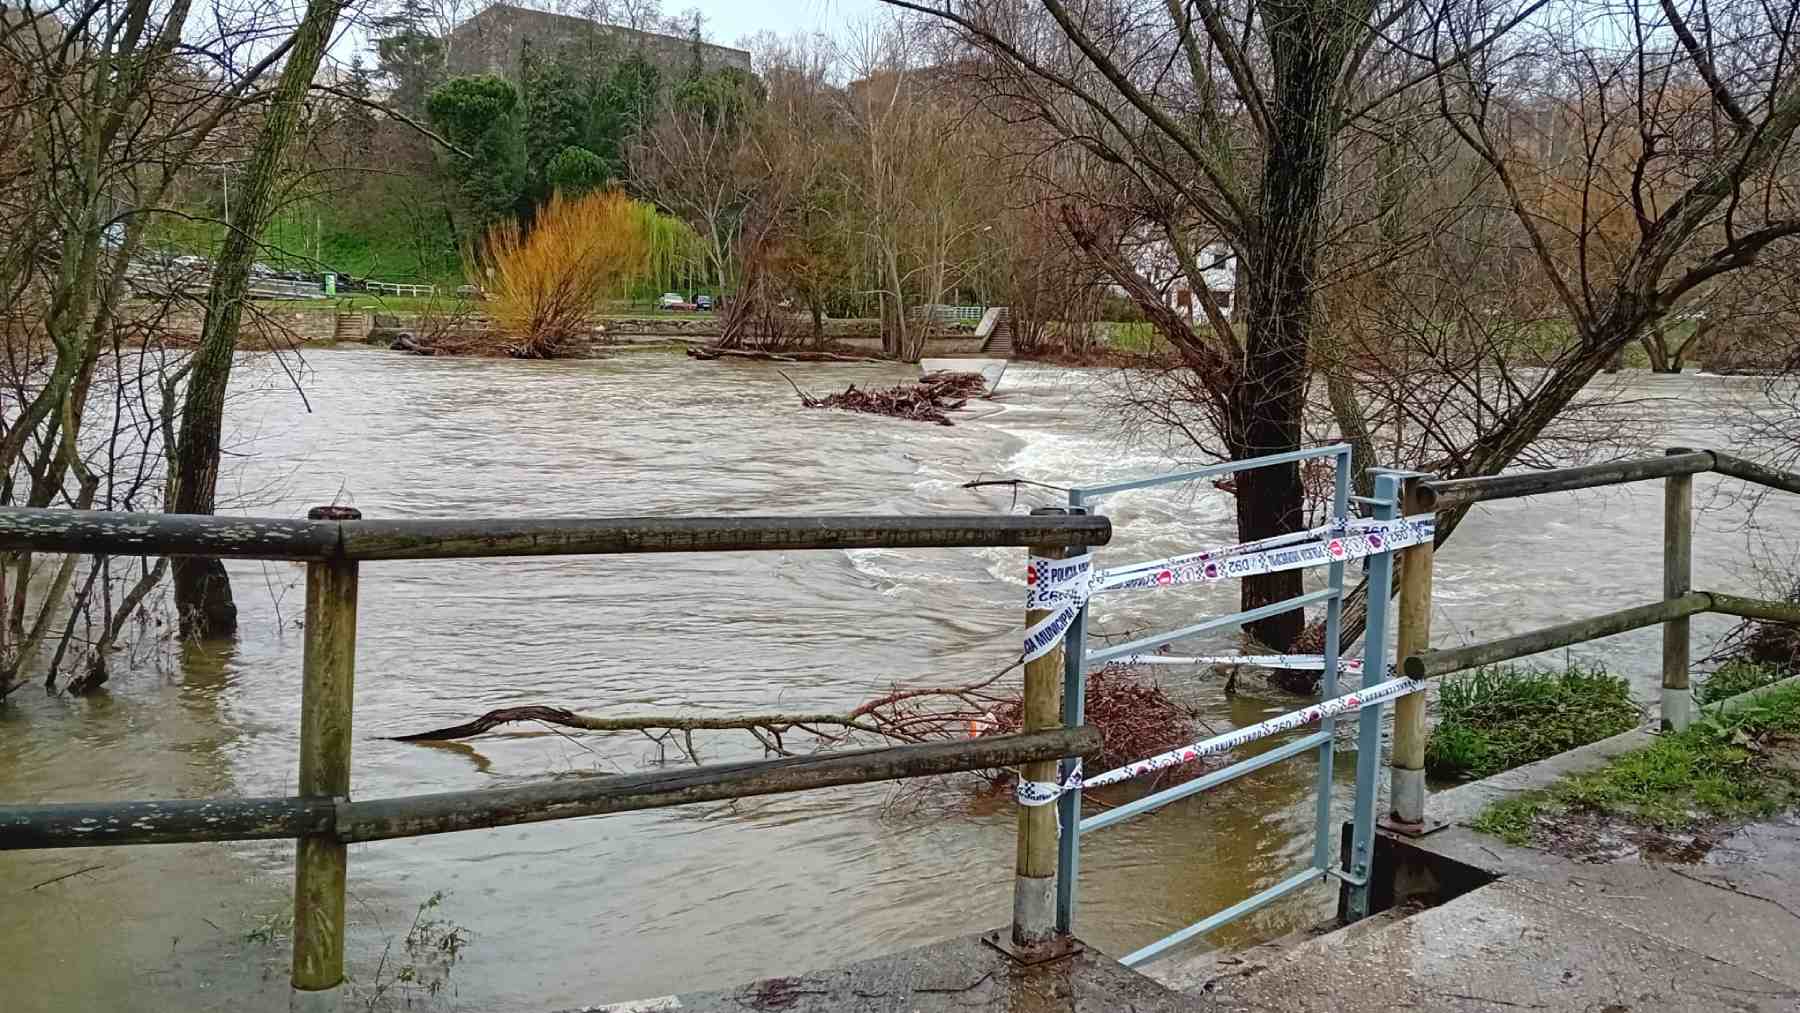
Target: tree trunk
1656,345
202,588
893,324
1308,40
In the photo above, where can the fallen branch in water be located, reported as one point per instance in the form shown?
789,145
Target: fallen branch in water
707,353
1135,717
904,714
930,399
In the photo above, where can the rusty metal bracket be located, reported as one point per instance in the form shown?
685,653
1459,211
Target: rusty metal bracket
1430,826
1058,948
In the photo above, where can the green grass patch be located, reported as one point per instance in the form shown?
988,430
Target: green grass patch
1137,336
1719,768
1500,717
1736,677
1511,820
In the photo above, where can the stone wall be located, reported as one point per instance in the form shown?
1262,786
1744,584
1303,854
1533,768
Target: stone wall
706,325
275,328
288,327
491,43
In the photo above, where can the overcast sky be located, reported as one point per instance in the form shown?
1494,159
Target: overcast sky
728,21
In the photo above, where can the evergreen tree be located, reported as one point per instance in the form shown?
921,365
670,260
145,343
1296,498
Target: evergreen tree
359,119
409,58
480,116
557,115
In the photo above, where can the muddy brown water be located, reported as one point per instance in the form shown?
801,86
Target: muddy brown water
605,909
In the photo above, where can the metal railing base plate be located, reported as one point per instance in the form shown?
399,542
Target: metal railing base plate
1057,948
1394,826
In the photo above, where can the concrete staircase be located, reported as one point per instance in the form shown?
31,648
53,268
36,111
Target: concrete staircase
996,331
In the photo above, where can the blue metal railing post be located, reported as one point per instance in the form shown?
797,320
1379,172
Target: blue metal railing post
1334,617
1068,807
1368,737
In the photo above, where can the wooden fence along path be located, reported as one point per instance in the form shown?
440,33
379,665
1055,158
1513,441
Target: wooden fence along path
321,816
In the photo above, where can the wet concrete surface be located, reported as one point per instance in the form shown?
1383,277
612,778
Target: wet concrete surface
1631,934
958,974
1552,933
1713,924
1514,944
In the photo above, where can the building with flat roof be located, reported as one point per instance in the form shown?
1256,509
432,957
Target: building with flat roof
494,41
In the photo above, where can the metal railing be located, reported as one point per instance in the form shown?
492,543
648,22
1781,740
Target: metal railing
1323,868
1396,494
401,289
323,818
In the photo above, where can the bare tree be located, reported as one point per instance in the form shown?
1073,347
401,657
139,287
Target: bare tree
1215,120
202,588
915,185
1637,178
112,108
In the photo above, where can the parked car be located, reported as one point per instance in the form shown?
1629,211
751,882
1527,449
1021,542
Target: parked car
190,262
671,301
262,270
470,292
703,302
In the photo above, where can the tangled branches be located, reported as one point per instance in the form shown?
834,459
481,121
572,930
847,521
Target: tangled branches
930,399
1136,718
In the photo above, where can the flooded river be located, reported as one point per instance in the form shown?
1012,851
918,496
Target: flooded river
604,909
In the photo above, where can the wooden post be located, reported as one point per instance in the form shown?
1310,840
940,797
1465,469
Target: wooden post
325,704
1678,559
1034,882
1406,792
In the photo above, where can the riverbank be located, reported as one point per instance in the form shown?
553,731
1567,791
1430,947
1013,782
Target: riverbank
284,325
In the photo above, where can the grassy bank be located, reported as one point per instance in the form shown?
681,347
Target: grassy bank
1736,677
1498,718
1728,766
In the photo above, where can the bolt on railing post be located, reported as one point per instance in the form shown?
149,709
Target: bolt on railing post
325,706
1074,706
1678,560
1034,871
1406,792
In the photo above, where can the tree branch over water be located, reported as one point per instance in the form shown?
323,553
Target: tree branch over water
904,714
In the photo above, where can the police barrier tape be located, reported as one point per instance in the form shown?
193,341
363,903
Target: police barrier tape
1300,662
1332,543
1036,793
1062,586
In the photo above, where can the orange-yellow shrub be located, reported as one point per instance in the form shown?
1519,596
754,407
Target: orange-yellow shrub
545,284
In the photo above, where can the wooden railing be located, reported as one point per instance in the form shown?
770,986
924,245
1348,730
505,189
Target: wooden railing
1679,601
334,541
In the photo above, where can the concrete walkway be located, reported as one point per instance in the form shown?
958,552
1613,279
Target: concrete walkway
1628,935
1719,930
962,974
